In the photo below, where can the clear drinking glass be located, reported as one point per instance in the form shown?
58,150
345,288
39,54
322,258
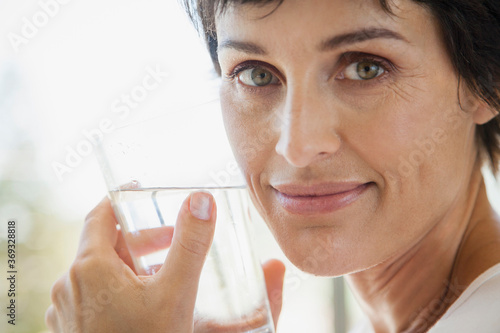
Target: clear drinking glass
150,166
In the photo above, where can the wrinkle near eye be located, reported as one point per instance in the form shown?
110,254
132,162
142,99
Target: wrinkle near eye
404,91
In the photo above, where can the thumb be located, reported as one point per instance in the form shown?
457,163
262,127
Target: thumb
274,273
193,235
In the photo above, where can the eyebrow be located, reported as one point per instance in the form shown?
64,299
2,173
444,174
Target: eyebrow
327,45
246,47
358,37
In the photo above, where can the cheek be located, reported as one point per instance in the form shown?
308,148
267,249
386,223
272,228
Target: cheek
408,137
422,148
251,130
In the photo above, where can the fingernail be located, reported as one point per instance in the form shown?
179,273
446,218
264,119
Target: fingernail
201,205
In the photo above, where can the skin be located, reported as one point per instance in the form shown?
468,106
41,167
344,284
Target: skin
101,292
424,229
411,242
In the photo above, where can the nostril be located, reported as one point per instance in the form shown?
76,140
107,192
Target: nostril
302,151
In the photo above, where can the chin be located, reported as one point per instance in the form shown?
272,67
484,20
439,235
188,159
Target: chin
320,252
330,267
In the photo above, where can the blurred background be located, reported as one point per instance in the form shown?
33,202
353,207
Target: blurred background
69,69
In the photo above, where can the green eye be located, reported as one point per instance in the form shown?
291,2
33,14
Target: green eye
261,77
363,70
257,77
367,70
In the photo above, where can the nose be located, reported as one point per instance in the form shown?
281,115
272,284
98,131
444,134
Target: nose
307,129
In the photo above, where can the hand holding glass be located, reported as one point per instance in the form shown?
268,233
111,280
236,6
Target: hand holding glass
150,167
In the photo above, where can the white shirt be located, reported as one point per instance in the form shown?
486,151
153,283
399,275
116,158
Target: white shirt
477,310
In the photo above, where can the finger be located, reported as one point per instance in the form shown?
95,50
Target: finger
50,319
123,252
53,319
191,242
146,241
251,323
121,246
99,230
274,273
132,185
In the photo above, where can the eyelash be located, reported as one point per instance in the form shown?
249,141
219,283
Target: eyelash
354,57
250,65
347,59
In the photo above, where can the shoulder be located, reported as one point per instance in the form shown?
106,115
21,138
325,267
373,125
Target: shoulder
477,309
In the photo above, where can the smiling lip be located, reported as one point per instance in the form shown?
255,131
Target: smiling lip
318,199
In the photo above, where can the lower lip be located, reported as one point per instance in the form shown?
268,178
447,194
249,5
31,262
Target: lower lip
309,205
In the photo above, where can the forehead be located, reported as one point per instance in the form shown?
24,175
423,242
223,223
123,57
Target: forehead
298,22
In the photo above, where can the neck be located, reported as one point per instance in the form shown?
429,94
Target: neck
411,292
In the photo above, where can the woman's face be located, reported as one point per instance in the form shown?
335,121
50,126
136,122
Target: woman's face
346,122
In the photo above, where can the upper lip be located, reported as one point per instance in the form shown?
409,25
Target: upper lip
296,190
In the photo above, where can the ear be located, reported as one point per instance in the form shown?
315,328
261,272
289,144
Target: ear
483,113
480,111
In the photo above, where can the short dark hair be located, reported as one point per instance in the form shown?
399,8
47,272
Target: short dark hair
471,32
